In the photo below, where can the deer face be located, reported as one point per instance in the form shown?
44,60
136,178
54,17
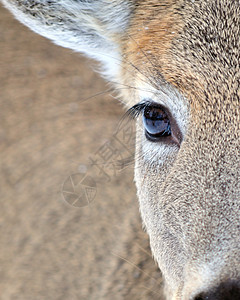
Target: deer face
189,197
180,60
187,158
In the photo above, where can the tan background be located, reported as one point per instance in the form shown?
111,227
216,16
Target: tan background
50,250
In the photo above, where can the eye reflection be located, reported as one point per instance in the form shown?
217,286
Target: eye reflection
156,122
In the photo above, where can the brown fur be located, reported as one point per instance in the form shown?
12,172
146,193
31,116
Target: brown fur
184,55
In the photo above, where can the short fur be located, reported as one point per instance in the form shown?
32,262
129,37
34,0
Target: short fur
188,50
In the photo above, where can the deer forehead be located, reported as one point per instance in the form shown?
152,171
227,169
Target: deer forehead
191,52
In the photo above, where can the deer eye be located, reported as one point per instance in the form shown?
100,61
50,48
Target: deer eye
156,122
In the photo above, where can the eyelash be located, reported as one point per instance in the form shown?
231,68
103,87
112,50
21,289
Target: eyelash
138,109
155,129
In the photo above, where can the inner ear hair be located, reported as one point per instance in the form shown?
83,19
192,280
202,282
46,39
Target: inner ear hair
93,27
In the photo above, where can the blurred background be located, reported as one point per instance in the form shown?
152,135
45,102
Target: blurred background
69,228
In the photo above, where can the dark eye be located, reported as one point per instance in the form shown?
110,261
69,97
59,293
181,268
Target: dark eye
156,122
160,126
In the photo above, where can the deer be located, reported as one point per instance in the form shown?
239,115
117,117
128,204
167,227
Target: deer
179,60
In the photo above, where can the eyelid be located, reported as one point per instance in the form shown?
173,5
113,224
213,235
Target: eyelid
138,108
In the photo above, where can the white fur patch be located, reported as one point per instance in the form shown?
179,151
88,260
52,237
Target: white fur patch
177,105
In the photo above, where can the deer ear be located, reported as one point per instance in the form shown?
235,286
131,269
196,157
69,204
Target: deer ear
93,27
